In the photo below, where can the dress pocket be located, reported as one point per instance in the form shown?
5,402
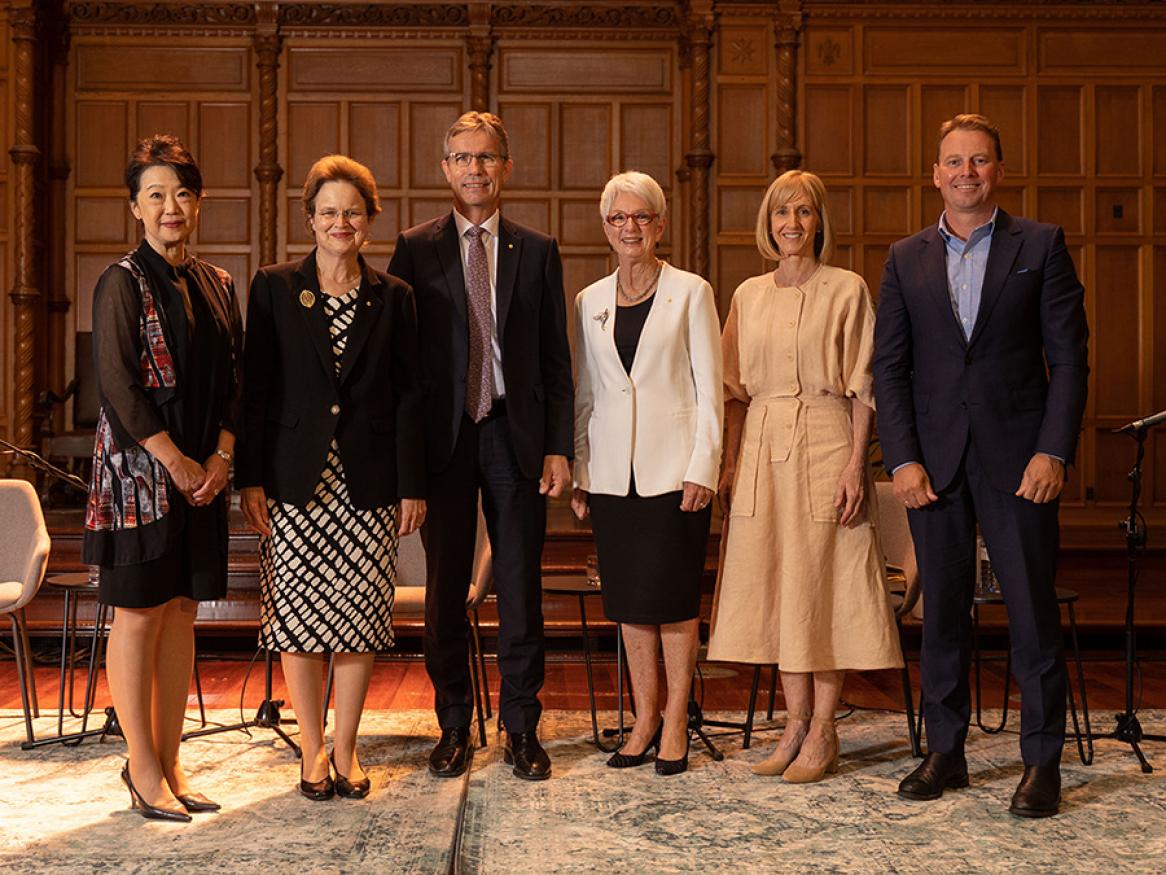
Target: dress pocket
745,486
829,440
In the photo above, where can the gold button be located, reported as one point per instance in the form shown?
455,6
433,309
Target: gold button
335,409
792,324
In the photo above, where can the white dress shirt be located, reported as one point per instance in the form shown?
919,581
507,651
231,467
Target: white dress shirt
490,241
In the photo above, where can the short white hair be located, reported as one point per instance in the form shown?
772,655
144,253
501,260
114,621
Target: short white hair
635,183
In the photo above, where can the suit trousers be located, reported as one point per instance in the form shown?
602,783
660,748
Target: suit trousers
1022,540
516,517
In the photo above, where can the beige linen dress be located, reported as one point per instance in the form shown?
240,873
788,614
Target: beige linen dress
795,588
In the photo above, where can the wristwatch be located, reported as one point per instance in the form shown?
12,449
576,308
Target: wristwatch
225,456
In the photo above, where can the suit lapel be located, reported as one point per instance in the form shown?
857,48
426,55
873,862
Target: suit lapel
449,253
933,264
1006,243
315,322
509,253
368,310
652,323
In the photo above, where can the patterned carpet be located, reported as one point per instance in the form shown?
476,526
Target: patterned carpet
64,810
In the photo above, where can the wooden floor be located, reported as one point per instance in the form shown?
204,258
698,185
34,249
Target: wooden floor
402,684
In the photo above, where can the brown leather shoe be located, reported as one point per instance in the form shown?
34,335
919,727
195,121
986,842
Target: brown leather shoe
1039,792
938,772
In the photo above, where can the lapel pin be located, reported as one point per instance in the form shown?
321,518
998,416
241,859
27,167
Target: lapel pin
307,299
602,318
509,245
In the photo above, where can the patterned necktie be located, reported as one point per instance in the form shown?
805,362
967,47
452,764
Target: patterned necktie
480,373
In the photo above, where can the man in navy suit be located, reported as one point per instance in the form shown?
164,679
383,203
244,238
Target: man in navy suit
980,371
496,370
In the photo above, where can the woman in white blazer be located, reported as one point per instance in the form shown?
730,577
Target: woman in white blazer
647,449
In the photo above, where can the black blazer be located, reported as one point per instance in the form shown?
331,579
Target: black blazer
532,331
937,390
293,402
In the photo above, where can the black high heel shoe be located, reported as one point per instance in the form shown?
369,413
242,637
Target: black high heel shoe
196,803
317,791
621,760
674,767
148,811
349,789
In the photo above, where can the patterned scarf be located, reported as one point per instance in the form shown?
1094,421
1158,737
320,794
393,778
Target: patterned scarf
130,488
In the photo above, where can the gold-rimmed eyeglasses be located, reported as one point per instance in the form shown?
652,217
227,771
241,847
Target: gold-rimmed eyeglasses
330,215
640,217
465,159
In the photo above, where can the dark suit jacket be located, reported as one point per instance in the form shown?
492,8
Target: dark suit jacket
293,402
536,360
1016,387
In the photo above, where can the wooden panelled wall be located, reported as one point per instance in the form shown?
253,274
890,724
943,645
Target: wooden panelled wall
711,98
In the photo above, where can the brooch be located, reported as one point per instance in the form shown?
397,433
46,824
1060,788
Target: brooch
602,318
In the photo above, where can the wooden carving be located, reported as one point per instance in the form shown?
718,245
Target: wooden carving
579,15
375,15
699,157
788,25
161,13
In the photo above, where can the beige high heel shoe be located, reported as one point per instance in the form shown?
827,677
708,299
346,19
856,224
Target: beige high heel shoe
778,761
797,773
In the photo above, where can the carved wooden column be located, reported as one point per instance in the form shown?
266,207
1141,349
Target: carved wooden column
59,338
479,48
699,156
25,293
268,171
788,21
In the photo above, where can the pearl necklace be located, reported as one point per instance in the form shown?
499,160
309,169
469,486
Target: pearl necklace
633,299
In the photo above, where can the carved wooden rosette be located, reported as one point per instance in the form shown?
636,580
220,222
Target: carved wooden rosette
25,293
788,26
268,171
699,156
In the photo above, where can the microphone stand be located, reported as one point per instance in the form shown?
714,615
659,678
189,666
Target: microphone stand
1128,729
44,466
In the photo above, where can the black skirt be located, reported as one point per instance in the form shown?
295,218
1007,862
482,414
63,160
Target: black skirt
651,556
193,567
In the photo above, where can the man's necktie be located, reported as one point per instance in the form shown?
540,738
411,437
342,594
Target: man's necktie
480,372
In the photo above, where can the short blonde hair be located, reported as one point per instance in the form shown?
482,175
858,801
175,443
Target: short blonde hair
783,190
637,184
478,121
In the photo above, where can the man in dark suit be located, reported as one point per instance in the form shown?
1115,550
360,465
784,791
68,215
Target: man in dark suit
499,420
980,371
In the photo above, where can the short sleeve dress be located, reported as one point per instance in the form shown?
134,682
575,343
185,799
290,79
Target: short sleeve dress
795,588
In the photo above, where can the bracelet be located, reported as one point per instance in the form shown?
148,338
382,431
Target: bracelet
225,456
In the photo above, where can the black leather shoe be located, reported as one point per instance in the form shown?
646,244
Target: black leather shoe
938,772
1039,792
317,791
621,760
523,751
347,789
451,756
196,802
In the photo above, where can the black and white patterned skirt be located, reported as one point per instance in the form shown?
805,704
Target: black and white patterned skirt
326,572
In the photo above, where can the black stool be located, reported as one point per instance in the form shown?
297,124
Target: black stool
1067,597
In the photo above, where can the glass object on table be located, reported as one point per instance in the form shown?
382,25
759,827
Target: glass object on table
593,569
986,582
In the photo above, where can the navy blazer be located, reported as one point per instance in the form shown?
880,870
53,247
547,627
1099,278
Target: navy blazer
294,403
532,331
1017,386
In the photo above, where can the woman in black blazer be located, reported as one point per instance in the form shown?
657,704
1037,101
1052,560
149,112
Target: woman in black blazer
331,466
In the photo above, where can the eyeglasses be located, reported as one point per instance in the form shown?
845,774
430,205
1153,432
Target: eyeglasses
330,215
641,217
465,159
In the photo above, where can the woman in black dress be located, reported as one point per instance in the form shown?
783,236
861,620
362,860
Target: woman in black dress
647,453
332,468
166,342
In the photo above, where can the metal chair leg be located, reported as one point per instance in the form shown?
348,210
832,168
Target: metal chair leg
476,682
482,664
772,693
991,730
752,706
29,665
22,671
1084,751
328,685
198,691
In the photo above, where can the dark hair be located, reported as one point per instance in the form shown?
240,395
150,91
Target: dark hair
163,150
970,121
341,168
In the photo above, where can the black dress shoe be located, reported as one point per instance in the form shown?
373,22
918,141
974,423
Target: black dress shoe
1039,792
938,772
673,767
150,812
621,760
196,802
347,789
317,791
523,751
451,756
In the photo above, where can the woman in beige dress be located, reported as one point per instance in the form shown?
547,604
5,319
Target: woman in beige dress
802,583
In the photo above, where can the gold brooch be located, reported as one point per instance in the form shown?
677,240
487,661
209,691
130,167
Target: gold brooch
602,318
307,298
